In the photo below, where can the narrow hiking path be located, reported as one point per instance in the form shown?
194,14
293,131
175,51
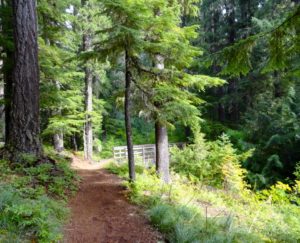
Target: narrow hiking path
100,211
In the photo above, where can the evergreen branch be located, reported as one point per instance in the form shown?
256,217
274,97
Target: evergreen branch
259,35
147,93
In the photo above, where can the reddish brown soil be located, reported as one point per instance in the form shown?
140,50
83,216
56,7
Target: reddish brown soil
101,213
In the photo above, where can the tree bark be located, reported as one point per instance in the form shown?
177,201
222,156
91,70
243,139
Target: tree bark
88,96
24,135
58,137
162,152
88,146
7,92
58,140
8,63
161,139
88,133
74,142
2,112
131,164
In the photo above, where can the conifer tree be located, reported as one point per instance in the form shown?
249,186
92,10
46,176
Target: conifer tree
149,32
126,39
263,60
89,22
58,77
7,54
188,8
165,85
62,75
24,135
51,16
88,132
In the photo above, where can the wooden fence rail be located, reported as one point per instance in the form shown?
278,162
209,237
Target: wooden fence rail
145,153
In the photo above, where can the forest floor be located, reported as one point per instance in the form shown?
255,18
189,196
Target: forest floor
100,211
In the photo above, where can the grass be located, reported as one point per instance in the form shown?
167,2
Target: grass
33,200
191,212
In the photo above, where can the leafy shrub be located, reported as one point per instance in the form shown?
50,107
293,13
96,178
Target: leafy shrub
213,129
31,205
278,193
180,211
274,134
297,171
22,218
57,178
214,163
122,169
107,149
281,193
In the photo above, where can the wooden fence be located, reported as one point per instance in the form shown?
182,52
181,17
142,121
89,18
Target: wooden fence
145,153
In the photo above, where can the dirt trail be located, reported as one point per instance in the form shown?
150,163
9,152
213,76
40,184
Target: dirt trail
101,213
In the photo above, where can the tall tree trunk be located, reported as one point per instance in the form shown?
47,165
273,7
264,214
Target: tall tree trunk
230,110
161,139
162,152
88,96
104,131
88,129
58,137
2,112
218,92
74,142
24,135
58,141
128,128
7,67
88,145
8,62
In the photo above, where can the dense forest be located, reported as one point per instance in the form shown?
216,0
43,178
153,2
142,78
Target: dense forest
214,85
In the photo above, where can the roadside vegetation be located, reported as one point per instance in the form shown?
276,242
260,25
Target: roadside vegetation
209,199
33,199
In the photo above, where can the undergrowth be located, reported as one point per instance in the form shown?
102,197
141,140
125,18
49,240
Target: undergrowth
33,199
189,211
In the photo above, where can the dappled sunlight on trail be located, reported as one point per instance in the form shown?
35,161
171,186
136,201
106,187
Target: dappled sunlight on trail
81,164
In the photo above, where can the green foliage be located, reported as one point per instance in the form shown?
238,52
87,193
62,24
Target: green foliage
155,31
283,45
297,171
274,134
186,224
237,58
122,169
61,26
186,211
278,193
23,218
216,163
255,46
281,193
61,81
58,179
189,7
32,200
212,129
